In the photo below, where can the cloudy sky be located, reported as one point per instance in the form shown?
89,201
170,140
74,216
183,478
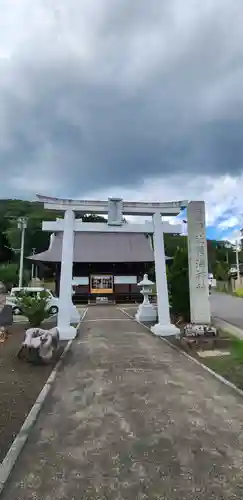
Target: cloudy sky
136,98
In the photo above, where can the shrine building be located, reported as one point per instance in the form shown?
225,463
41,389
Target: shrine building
105,265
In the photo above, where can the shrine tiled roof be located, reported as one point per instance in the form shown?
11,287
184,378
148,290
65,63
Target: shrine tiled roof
101,247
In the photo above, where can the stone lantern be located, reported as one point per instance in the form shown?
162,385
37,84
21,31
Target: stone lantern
146,312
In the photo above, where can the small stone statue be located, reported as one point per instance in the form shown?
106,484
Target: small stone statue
39,345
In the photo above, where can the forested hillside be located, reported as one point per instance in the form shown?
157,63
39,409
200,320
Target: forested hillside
220,258
10,211
35,239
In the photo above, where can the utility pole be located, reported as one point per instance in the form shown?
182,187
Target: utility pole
22,225
33,265
184,227
227,246
241,238
227,257
237,259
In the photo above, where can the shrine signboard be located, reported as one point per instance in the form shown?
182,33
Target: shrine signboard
101,284
198,263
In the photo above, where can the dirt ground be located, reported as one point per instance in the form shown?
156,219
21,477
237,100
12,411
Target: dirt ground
20,384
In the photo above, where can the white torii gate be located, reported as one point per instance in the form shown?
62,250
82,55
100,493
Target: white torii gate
116,208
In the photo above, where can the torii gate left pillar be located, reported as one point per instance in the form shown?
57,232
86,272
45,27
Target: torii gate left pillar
66,331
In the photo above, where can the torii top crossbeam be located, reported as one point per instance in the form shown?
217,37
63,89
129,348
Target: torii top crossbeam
102,207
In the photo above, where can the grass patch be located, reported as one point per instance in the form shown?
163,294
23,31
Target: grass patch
226,334
230,367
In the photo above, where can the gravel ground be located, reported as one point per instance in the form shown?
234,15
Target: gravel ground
130,418
20,384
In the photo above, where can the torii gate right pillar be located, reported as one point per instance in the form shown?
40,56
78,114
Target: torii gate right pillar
164,327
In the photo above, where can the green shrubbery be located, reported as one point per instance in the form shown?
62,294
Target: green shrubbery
34,308
239,292
178,284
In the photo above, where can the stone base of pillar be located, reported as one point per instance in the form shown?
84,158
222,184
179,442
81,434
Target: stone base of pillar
165,330
146,313
75,316
67,332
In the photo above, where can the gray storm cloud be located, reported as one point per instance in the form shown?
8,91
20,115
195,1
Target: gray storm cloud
101,94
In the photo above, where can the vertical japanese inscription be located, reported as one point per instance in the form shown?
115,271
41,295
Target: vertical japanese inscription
198,263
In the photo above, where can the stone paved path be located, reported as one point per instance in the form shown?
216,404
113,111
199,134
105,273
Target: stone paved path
130,418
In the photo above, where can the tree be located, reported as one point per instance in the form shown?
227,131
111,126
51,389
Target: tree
221,269
93,218
9,275
173,242
178,283
34,236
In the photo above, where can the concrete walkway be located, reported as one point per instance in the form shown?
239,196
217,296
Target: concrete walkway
130,418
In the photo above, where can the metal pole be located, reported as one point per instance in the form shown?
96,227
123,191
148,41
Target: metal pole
22,225
33,266
237,260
